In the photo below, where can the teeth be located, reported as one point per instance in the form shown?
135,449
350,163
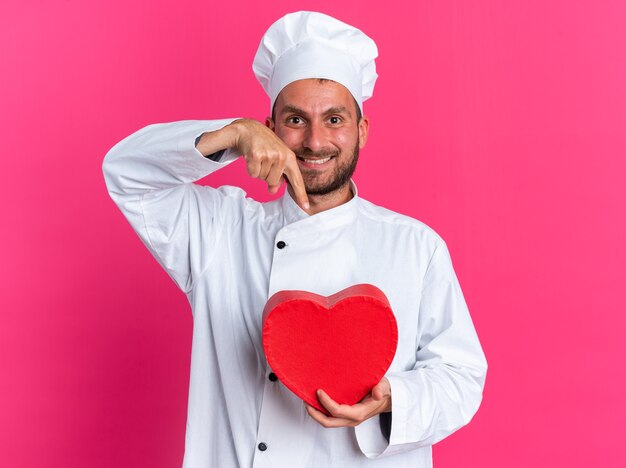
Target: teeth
317,161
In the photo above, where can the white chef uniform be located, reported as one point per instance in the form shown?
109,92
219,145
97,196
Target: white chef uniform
223,250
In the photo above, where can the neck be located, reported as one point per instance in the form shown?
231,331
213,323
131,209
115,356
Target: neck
319,203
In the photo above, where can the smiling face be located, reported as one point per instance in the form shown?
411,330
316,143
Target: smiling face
318,121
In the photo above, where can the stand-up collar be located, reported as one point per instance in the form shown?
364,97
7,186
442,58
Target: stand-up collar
339,215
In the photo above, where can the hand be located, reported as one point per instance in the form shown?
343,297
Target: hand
376,402
268,158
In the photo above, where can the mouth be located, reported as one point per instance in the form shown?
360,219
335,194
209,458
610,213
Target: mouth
316,161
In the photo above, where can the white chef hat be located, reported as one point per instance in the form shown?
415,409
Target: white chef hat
307,44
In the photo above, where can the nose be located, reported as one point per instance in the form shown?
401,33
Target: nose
315,136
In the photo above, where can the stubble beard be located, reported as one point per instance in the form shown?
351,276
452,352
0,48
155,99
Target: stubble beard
338,179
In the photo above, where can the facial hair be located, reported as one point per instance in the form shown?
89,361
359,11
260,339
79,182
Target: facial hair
338,179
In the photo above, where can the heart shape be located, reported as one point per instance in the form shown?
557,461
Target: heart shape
343,343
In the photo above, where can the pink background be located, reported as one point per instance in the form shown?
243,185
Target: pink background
502,125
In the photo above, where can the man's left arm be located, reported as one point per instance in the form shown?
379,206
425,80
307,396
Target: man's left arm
443,390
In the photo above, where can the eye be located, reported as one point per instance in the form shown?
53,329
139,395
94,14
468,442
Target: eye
334,120
295,120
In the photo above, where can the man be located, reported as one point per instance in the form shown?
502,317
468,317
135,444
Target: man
229,254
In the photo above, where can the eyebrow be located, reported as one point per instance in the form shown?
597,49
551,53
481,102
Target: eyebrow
289,109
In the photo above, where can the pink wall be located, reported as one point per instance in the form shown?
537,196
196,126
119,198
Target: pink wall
500,124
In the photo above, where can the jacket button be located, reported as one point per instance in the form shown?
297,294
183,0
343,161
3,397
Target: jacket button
272,377
280,244
262,446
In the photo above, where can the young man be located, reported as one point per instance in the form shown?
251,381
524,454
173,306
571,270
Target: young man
229,254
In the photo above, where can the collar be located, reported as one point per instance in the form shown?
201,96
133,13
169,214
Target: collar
339,215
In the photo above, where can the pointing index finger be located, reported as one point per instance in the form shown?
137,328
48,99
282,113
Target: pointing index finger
294,176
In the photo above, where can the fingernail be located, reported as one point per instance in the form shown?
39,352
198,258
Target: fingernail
306,206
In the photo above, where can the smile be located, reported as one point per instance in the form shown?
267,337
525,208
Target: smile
316,161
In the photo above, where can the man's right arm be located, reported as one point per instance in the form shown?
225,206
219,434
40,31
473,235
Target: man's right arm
267,157
150,175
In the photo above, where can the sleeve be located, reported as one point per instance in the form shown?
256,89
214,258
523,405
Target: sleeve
444,389
150,174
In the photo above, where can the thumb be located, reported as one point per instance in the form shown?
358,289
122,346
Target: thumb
380,389
377,392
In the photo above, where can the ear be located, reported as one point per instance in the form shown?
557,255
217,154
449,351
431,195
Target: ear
364,126
269,123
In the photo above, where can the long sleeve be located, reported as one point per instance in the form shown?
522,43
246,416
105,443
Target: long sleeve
150,175
444,389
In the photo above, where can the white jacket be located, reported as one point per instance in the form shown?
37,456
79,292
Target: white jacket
220,249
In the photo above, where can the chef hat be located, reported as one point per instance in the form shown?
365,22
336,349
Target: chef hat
307,44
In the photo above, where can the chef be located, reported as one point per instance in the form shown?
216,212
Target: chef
229,254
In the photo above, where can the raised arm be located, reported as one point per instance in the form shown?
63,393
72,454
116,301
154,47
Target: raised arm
150,175
267,157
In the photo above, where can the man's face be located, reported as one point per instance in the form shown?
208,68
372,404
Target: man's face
317,120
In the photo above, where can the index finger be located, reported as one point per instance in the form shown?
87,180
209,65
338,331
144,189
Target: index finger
334,408
357,412
294,177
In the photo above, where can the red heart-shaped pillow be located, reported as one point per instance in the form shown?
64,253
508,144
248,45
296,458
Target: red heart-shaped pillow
343,343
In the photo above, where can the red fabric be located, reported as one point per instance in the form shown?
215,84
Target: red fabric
343,343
